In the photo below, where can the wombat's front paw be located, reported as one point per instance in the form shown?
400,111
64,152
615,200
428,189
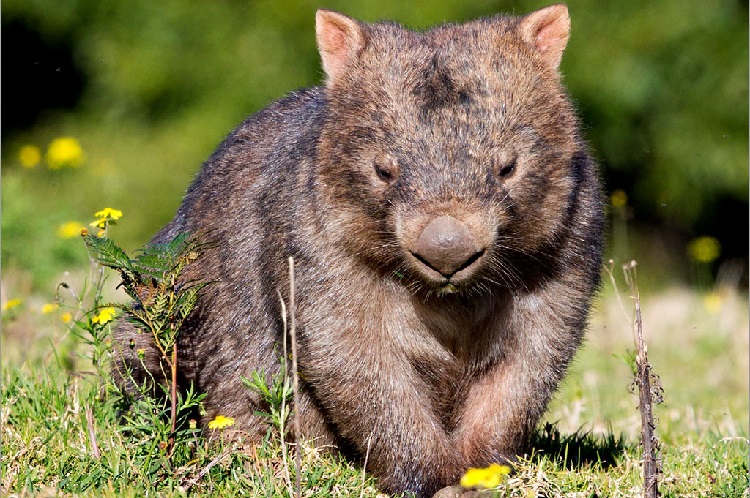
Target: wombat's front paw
455,492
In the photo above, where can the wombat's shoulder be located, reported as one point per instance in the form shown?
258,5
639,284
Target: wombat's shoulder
285,123
268,144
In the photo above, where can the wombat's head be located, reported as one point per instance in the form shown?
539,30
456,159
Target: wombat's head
449,158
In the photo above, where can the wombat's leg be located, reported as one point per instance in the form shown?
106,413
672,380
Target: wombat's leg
499,413
313,426
136,362
503,406
232,398
379,405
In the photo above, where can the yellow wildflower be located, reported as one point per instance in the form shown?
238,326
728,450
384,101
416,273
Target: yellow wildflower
220,422
64,152
66,317
619,198
713,301
704,249
13,303
487,477
113,214
50,308
69,229
105,315
30,156
105,216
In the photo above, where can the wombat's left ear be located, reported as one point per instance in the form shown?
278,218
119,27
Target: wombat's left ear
340,41
548,30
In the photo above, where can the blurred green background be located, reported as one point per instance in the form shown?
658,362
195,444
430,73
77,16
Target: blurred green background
146,90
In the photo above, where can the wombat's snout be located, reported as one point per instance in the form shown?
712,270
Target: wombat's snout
447,246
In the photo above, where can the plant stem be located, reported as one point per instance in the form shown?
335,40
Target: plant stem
173,393
295,379
282,418
645,405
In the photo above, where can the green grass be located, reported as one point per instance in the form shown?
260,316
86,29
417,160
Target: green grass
698,346
47,446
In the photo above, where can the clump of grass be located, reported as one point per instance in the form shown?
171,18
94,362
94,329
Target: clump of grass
47,449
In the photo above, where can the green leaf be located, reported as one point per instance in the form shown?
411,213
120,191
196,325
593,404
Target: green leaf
107,253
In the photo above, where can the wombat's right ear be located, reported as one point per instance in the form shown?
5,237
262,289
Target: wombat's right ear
340,41
548,30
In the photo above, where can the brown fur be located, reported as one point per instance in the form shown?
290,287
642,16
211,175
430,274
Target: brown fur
466,123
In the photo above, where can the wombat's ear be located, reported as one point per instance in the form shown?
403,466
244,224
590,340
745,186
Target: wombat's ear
340,40
547,30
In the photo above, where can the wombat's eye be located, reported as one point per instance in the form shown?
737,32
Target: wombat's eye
386,169
508,169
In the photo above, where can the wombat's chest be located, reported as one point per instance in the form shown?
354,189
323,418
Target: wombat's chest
361,316
460,327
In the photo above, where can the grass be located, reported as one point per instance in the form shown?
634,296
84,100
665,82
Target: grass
61,435
48,450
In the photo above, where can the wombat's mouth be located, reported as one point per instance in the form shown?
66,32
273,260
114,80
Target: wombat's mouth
447,279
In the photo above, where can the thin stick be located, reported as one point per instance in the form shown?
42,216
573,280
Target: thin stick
648,437
173,393
92,434
295,379
612,279
282,421
208,467
173,386
364,466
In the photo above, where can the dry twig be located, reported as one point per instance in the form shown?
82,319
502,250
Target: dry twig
282,419
648,393
295,380
364,466
92,433
208,467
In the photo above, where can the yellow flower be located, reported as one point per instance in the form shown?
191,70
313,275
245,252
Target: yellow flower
113,214
487,477
220,422
66,317
105,315
105,216
64,152
704,249
619,199
69,229
30,156
13,303
713,302
49,308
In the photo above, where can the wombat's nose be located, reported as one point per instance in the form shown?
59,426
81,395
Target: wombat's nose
447,246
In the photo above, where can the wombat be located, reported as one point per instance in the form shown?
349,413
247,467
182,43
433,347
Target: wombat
446,223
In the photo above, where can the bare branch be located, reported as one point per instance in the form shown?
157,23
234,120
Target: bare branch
295,377
92,433
644,376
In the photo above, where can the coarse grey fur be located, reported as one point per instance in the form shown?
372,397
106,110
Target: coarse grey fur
446,222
